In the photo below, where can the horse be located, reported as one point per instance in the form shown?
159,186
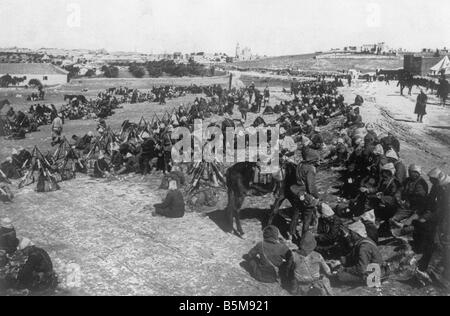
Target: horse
239,178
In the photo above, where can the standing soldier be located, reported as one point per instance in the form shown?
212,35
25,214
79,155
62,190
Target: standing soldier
41,93
294,88
443,91
148,149
266,95
258,100
436,258
243,108
230,104
306,188
57,128
166,141
421,106
251,92
162,97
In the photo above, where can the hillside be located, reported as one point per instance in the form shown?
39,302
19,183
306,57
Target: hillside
308,62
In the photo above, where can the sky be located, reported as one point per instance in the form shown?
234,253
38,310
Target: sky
268,27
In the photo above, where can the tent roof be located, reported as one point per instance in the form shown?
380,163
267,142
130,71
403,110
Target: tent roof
443,64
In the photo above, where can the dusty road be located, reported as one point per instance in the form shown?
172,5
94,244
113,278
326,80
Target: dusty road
426,144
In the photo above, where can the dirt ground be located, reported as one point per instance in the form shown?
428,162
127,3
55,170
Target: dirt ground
309,62
103,226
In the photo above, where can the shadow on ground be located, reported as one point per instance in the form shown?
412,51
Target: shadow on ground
220,218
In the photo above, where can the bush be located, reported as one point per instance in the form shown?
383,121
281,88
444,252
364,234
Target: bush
154,72
35,83
110,71
137,71
73,71
5,81
90,73
17,80
157,68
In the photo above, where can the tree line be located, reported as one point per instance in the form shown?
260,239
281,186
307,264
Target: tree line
159,68
7,80
154,69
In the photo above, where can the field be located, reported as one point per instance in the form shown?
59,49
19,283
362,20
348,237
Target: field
309,63
17,96
106,228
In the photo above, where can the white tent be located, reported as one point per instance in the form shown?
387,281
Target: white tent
444,64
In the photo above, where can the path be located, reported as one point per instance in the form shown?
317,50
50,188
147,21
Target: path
425,144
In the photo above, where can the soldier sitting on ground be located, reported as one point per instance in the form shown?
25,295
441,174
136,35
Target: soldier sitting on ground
28,268
173,205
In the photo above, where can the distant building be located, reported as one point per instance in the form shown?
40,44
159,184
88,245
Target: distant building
368,48
244,54
177,56
47,74
434,52
378,49
381,48
419,65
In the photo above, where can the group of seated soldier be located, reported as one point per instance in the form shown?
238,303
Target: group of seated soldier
23,266
381,199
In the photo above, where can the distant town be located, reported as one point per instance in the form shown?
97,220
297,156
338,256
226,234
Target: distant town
56,66
89,59
384,50
91,63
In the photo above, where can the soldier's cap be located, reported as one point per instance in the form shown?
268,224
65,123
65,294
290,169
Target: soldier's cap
6,223
435,173
24,243
306,141
370,127
391,154
415,168
326,210
358,228
389,167
369,216
378,150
